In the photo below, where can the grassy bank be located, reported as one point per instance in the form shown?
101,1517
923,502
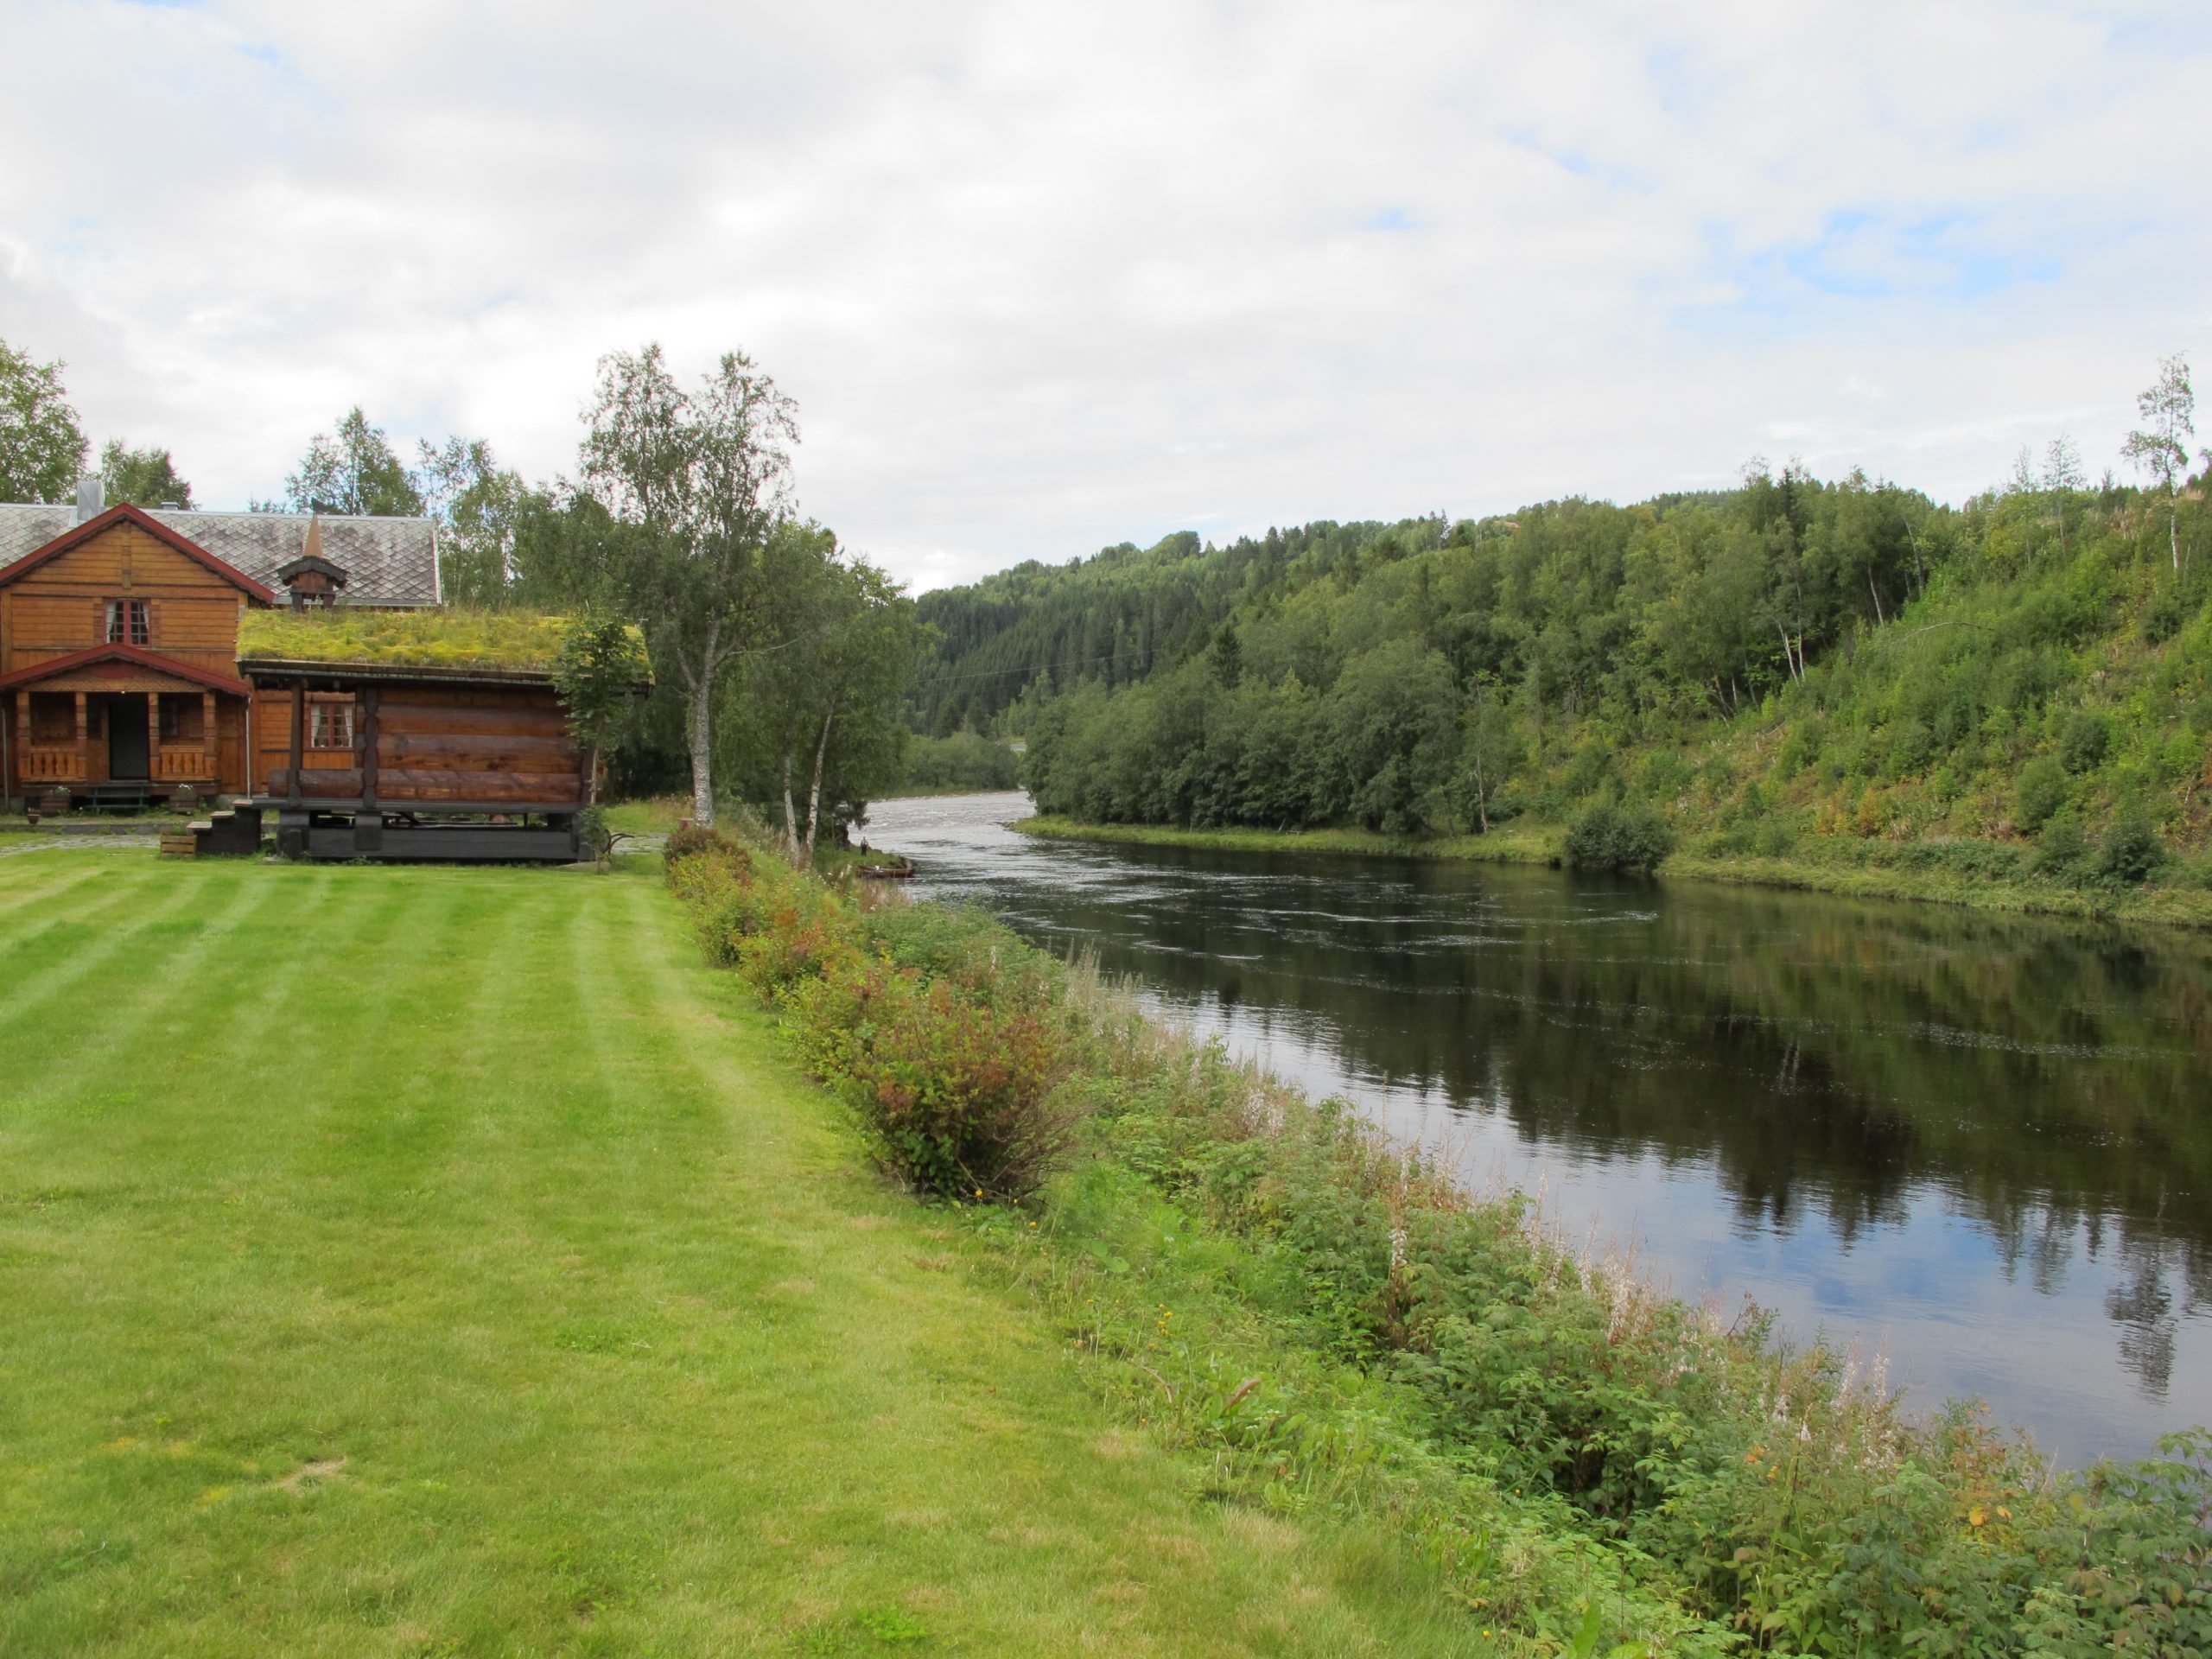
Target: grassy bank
446,1262
1518,845
1934,872
1332,1326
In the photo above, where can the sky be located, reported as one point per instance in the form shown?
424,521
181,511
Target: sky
1044,277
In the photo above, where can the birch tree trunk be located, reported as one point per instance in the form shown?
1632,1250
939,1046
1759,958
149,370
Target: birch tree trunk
791,819
699,680
703,764
814,794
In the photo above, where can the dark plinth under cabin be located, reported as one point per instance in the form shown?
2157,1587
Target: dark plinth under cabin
418,737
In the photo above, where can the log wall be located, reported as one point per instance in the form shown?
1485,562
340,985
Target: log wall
435,746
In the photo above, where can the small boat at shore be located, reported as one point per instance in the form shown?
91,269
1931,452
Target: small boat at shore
894,869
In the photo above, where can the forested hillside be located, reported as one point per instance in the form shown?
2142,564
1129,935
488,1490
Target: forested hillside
1789,659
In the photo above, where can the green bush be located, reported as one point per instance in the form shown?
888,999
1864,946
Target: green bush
1775,840
958,1091
1987,860
2063,851
1625,838
945,1034
2131,852
2086,742
2041,792
689,838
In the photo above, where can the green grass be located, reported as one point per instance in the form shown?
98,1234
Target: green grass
429,1261
1515,845
448,637
654,815
1847,865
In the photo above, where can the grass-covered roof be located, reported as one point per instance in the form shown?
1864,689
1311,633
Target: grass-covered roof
507,642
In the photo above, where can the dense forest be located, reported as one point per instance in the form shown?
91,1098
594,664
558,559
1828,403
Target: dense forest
1792,658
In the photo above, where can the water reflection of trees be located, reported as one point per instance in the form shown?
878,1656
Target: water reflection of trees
1818,1052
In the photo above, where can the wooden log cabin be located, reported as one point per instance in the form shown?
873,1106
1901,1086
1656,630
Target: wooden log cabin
119,637
435,734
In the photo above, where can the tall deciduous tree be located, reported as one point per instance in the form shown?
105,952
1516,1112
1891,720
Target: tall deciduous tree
144,478
601,666
2160,446
856,669
2064,476
41,446
477,504
695,482
352,470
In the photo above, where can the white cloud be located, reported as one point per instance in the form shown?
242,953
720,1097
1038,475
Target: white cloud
1044,276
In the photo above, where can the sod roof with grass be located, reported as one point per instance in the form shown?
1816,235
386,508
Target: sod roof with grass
504,644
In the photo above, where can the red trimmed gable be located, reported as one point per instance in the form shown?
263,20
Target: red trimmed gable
124,512
138,655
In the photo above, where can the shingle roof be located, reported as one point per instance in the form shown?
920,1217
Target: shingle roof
386,560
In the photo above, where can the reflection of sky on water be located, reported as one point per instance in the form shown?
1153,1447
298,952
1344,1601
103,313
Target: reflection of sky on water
2088,1338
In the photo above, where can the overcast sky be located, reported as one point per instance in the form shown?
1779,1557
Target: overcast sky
1048,277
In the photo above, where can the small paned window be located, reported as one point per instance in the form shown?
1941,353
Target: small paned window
54,719
330,725
129,622
182,717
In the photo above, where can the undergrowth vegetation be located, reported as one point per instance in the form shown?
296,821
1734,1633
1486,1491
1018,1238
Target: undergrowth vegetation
1324,1321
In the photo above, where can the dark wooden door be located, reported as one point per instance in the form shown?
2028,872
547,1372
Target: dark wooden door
126,739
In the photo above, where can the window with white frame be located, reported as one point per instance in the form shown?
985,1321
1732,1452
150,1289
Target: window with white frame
330,725
129,622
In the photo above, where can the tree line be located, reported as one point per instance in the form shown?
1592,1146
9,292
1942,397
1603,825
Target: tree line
1792,656
780,655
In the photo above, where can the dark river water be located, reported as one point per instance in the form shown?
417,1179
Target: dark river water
1980,1147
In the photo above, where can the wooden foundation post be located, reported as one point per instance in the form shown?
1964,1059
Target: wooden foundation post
211,742
84,743
369,750
292,793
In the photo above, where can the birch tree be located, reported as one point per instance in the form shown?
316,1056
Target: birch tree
823,689
695,482
2160,446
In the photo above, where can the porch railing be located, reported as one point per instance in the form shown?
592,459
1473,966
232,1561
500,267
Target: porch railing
54,763
183,763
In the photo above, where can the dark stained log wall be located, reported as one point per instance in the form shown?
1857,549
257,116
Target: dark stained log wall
434,744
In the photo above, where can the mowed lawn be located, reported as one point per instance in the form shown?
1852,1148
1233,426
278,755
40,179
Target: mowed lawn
426,1261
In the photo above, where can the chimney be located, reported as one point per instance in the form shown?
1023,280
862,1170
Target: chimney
92,499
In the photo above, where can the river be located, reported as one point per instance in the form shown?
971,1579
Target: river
1978,1147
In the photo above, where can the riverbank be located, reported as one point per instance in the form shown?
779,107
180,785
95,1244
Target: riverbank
1942,873
1328,1323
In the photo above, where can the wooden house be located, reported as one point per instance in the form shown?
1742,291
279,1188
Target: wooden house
119,637
434,734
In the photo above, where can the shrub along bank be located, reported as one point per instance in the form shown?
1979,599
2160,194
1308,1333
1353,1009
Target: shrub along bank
1325,1321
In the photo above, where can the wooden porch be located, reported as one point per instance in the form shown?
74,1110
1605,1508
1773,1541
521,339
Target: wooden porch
95,732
